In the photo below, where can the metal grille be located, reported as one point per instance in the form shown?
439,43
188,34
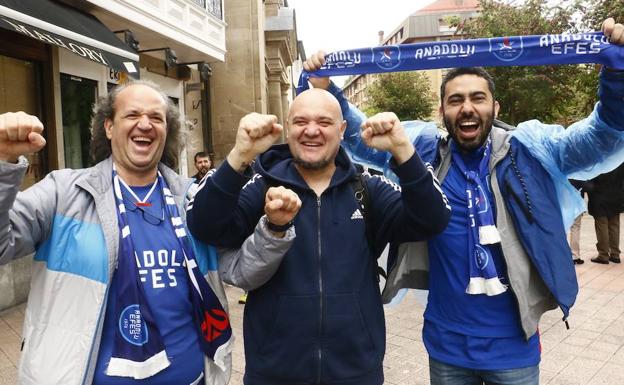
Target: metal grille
212,6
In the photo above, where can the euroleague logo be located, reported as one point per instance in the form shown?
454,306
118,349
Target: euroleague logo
508,48
387,57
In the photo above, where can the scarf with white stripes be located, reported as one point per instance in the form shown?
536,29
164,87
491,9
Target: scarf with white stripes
138,349
482,230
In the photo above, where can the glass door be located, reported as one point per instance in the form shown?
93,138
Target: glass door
77,98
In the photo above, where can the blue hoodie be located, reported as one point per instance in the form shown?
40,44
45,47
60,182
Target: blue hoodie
319,319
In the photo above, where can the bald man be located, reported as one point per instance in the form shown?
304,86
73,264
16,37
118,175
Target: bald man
315,315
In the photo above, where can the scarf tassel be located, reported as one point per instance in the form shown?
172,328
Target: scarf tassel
138,370
489,286
488,235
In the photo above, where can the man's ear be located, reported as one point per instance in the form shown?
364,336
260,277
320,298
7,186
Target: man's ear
496,108
108,127
343,127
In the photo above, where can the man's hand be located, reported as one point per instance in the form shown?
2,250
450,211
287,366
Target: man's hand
385,132
20,134
312,64
281,205
614,31
256,133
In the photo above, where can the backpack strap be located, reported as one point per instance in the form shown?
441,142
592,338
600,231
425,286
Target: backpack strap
362,196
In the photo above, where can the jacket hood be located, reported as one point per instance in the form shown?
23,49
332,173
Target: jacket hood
277,165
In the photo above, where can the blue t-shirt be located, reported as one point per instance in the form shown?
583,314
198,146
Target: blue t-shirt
164,278
471,331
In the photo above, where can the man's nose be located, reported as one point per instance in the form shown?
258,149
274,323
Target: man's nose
312,129
467,107
144,122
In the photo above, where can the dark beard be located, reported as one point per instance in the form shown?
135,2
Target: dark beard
321,164
471,146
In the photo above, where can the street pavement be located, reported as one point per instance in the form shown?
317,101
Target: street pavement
590,353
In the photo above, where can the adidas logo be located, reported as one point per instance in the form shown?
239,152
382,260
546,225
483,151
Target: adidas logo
357,214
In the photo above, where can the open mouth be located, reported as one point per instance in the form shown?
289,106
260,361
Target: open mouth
469,127
142,141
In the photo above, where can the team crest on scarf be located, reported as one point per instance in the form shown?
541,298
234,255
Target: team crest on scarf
387,57
506,48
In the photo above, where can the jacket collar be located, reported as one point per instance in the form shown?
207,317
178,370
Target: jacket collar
98,179
500,147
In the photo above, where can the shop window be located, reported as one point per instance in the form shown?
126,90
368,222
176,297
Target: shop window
77,99
20,91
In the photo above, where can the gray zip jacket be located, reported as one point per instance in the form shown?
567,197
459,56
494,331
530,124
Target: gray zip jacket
532,294
69,221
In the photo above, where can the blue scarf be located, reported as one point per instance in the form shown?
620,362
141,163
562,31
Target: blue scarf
591,47
482,230
138,349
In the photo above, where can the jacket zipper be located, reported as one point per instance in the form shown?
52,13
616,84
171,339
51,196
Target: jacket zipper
510,286
320,280
97,327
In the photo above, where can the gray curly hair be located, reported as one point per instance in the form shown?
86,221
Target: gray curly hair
105,109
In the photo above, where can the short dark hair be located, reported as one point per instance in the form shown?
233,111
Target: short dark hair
455,72
105,109
202,154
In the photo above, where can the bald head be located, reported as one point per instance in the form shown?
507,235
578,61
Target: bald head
316,98
315,127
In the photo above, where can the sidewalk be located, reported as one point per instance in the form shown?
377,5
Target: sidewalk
590,353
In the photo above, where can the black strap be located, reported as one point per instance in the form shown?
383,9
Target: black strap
363,199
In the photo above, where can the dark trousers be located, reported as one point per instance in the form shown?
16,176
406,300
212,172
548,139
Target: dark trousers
608,236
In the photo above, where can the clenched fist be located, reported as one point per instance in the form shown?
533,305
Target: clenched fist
20,134
385,132
281,205
256,133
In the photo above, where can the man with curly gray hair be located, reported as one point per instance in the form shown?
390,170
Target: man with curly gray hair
120,293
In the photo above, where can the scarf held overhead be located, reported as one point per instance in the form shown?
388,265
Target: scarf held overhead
549,49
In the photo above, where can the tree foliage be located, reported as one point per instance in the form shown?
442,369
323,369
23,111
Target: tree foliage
548,93
407,94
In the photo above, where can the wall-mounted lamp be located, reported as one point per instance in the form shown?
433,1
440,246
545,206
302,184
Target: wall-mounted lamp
170,56
129,39
205,72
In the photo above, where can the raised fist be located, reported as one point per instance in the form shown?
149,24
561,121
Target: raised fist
20,134
281,205
385,132
256,133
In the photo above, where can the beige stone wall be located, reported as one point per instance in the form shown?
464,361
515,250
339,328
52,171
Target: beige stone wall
238,85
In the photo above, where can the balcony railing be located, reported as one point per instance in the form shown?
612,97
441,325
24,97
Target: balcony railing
212,6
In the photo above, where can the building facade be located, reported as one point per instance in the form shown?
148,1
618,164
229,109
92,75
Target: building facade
256,75
430,23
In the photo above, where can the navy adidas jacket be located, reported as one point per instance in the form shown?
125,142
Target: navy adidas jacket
319,319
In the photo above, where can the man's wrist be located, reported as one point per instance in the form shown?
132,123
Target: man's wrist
278,228
403,153
9,159
238,161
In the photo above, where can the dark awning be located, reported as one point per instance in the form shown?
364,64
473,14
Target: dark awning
81,33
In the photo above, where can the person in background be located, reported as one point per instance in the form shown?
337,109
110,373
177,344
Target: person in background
605,203
203,164
575,230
